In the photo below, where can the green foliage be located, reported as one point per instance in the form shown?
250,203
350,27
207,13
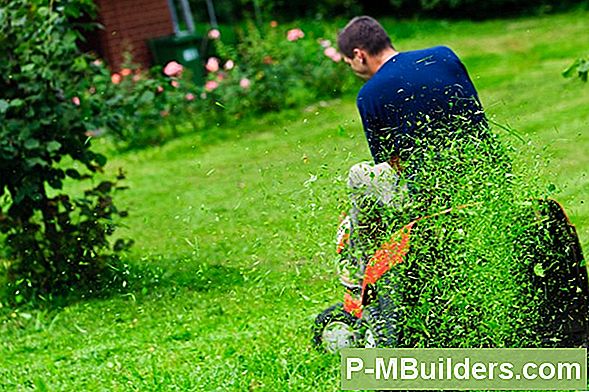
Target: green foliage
237,10
579,68
479,9
277,69
146,107
54,242
234,11
263,72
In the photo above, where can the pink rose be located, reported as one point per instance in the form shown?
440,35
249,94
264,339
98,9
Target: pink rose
189,97
245,83
333,54
211,85
159,89
274,24
212,64
229,65
214,34
76,101
294,34
174,83
97,62
330,52
125,72
337,57
115,78
173,69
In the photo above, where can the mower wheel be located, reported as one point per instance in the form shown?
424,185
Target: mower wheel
334,329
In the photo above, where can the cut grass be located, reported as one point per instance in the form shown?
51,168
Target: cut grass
234,229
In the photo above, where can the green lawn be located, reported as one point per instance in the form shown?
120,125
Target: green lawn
234,235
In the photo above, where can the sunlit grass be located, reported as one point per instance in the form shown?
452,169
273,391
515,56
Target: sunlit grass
234,229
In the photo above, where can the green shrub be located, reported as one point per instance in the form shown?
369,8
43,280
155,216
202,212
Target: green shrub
54,242
273,69
263,72
147,107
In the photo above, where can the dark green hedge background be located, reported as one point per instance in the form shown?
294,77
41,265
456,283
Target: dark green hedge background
229,11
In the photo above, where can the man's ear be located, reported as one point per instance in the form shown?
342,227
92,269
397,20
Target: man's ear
361,54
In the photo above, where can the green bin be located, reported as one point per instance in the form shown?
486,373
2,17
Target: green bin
183,49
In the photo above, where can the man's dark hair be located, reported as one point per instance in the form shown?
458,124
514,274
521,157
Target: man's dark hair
363,32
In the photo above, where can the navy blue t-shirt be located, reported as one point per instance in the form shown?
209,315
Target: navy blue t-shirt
412,93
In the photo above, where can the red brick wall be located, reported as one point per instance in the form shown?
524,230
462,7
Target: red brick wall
127,26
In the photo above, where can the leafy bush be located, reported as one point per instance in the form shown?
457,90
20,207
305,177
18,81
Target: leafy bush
268,70
54,242
146,107
273,69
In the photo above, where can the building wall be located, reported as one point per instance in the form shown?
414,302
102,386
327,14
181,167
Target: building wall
128,24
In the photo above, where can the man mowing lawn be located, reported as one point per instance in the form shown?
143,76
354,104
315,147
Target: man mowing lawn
477,259
410,101
406,94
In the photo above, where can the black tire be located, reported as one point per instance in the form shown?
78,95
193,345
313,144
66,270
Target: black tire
329,317
381,317
564,282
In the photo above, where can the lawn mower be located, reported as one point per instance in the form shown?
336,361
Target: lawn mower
369,314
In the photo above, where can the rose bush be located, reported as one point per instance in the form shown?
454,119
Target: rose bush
271,69
53,241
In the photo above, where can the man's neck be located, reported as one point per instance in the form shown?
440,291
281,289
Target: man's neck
377,61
